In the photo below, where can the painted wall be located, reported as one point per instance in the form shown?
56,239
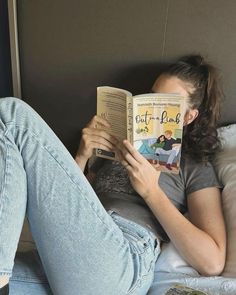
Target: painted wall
68,48
5,61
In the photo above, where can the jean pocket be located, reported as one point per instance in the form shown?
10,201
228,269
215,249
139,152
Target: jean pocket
144,264
143,258
144,249
138,243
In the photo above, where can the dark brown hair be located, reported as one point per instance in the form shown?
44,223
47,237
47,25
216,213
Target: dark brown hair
200,138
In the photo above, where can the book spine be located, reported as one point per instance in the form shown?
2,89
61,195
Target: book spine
129,109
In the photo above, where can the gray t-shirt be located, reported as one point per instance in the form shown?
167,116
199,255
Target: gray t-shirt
114,189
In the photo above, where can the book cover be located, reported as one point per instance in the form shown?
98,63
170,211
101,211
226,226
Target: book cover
152,122
183,290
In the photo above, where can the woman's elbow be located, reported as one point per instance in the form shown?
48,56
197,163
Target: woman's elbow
213,268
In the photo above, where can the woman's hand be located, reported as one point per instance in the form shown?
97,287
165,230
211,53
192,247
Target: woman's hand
143,176
94,135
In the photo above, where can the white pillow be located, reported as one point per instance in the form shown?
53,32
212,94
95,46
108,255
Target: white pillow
171,261
226,169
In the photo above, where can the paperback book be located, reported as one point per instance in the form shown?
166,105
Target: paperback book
183,290
152,122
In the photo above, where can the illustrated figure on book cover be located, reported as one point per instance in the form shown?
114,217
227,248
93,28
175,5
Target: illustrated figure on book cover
152,122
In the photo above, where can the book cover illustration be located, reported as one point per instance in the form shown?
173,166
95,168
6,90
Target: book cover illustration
183,290
158,128
152,122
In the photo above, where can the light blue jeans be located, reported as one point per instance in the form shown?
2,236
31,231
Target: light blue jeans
83,249
171,154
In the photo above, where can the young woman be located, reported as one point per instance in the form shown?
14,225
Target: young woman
90,248
160,142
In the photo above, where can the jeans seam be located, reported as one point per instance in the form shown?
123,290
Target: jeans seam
141,228
3,198
140,280
5,273
2,191
84,193
38,279
138,240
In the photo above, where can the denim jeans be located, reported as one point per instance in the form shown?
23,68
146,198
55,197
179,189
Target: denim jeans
83,249
28,275
171,154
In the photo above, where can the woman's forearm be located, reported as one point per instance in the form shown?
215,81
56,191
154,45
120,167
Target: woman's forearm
81,161
197,247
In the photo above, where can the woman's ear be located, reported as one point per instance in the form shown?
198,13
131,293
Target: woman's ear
190,116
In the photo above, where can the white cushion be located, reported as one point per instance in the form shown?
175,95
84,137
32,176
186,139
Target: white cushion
170,261
226,168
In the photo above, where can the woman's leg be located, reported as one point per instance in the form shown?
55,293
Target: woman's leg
13,199
28,276
82,249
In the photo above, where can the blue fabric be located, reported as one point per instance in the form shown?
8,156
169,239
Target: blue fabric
83,249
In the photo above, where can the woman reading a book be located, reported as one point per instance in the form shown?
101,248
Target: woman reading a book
110,247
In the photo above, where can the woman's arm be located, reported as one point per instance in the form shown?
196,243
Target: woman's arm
94,135
200,240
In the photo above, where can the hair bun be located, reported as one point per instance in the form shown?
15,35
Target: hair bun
193,60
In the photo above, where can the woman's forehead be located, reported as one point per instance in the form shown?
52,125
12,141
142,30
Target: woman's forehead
172,84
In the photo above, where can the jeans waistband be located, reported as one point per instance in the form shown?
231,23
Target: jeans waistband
140,231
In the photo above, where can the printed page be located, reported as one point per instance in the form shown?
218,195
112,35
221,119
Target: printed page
111,105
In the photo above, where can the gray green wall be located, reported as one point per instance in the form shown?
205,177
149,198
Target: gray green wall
69,47
5,59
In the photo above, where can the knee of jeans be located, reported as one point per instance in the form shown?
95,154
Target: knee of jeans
9,106
16,111
7,101
6,104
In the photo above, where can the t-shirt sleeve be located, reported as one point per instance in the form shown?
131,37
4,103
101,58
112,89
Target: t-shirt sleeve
199,176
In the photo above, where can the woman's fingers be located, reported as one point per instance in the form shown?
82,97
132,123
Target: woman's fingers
95,132
88,143
94,135
130,154
98,122
97,142
121,157
99,126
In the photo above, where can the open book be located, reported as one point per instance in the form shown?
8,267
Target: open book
152,122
